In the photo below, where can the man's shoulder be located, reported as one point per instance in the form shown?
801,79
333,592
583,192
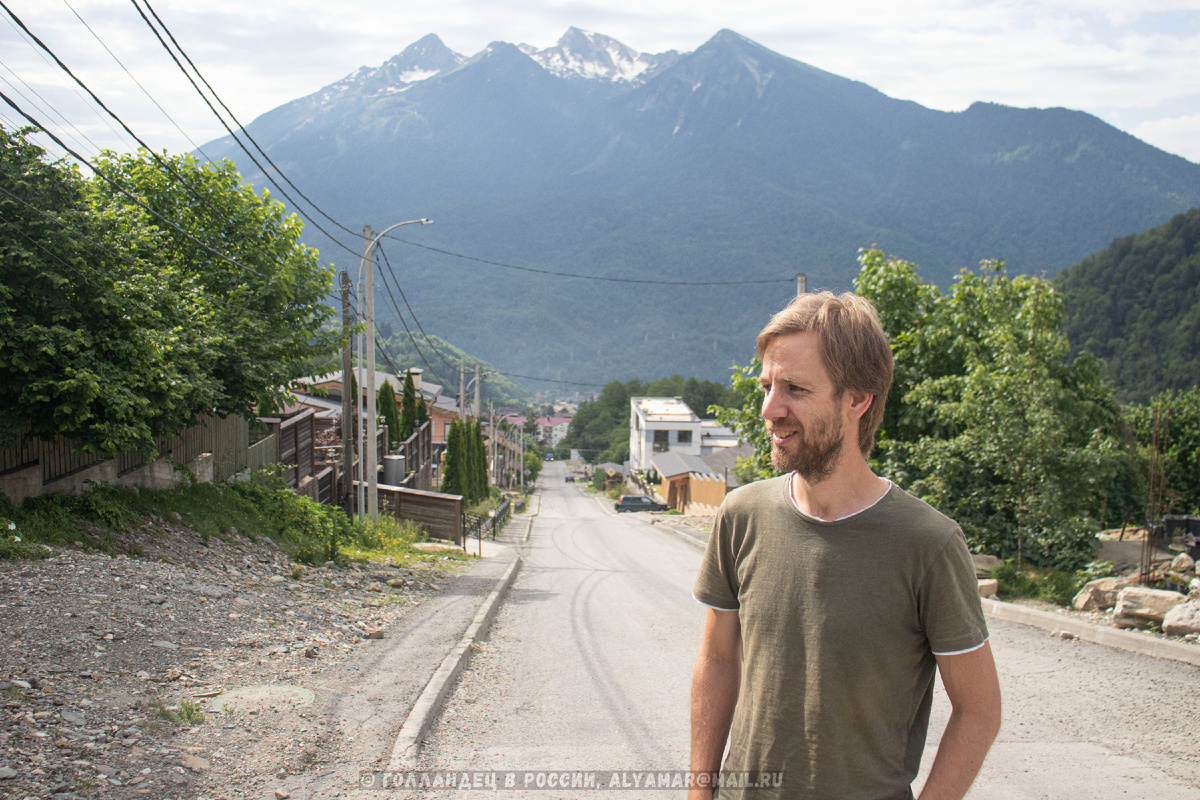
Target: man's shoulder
912,511
751,496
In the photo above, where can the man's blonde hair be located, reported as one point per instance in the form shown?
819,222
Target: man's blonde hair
854,348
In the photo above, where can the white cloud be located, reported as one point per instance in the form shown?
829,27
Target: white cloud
1118,59
1180,135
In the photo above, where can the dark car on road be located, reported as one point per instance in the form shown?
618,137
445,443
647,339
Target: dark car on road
637,502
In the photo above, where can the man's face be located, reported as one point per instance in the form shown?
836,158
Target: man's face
804,413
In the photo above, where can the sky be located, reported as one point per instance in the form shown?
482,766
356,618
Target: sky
1133,63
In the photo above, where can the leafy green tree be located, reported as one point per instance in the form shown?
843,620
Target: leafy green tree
533,464
990,421
263,293
408,411
99,340
386,403
743,416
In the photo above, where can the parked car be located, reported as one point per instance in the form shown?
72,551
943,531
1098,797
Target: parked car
637,502
570,479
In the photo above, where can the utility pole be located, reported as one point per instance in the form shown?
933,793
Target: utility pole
462,392
478,386
360,493
349,411
372,422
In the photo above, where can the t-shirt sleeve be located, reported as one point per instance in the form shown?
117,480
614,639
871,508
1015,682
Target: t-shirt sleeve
716,583
948,601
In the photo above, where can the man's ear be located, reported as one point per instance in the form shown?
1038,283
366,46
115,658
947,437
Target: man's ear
858,403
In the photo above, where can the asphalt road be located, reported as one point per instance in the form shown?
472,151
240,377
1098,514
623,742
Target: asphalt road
588,665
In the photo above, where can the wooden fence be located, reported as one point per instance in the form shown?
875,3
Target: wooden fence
441,515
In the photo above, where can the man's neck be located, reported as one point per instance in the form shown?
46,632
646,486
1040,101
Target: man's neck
851,488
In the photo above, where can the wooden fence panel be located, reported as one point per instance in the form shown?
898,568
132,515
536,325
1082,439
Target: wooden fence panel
22,455
441,515
231,442
263,452
59,459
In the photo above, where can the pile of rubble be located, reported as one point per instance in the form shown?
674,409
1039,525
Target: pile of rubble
1129,605
108,665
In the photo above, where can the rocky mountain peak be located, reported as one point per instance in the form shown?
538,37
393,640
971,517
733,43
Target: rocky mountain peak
594,56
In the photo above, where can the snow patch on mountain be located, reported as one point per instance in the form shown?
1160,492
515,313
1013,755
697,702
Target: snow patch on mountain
594,56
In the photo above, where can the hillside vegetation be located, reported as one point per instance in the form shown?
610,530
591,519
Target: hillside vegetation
1136,305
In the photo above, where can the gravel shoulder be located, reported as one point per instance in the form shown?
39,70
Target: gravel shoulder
112,668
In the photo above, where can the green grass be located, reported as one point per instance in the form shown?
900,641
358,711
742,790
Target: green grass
307,531
188,713
1049,585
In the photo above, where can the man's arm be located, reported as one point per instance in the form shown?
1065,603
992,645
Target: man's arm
715,684
974,692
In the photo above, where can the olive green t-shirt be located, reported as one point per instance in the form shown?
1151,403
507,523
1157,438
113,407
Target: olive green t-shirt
840,622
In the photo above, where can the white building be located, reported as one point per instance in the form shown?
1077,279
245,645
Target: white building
666,424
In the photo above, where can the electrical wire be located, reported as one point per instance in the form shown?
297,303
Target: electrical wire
145,91
26,35
587,277
232,133
137,201
412,313
46,107
166,165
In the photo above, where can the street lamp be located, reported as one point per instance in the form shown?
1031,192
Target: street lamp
367,459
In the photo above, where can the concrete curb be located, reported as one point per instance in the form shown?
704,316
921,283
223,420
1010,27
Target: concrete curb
1117,638
433,697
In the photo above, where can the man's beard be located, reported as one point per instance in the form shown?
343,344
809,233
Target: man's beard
816,454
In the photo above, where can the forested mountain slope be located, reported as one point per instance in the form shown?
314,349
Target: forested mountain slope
1136,305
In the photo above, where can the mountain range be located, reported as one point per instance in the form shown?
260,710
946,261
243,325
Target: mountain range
728,163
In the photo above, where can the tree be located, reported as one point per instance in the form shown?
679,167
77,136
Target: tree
452,467
386,403
99,340
990,422
533,465
408,412
262,292
422,412
1174,449
479,463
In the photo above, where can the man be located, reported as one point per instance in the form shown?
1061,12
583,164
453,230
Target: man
832,594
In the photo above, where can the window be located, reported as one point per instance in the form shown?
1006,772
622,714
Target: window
684,437
662,442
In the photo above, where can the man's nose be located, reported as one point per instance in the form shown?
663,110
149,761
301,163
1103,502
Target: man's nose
771,407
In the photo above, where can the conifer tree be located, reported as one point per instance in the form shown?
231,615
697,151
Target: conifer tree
408,408
452,469
387,409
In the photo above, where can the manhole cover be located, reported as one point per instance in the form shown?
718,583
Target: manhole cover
262,697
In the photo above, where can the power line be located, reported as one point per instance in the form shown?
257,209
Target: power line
46,106
34,122
588,277
232,133
24,33
412,313
145,91
166,165
444,360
